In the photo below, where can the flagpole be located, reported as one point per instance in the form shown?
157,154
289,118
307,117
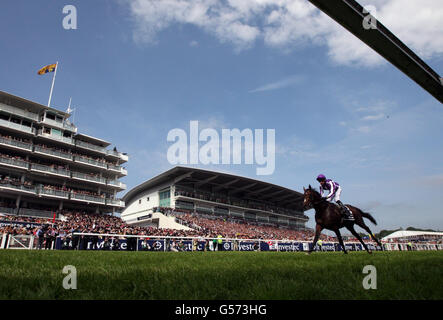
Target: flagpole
52,86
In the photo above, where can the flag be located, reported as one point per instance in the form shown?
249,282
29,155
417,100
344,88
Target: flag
48,68
53,218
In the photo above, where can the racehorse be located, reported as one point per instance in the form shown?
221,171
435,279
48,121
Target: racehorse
328,216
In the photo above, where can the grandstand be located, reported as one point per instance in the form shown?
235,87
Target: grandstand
47,167
211,195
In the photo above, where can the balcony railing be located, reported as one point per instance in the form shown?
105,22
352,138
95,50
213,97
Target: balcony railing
7,210
116,183
16,126
88,198
52,152
54,193
117,154
14,162
18,112
90,146
113,153
18,186
52,122
69,126
84,176
15,143
90,161
49,169
37,213
115,202
60,124
238,204
57,138
117,169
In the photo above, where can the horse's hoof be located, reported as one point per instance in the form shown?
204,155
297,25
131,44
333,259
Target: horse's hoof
369,251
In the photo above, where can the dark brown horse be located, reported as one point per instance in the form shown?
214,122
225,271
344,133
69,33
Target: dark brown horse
328,216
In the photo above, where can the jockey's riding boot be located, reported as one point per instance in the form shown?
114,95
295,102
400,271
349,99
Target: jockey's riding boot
345,211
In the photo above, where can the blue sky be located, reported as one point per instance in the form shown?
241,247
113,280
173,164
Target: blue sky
136,69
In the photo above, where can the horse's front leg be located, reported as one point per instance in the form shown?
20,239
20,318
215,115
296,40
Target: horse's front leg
340,240
318,230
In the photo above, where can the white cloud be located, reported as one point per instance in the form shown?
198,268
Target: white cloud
291,23
374,117
364,129
287,82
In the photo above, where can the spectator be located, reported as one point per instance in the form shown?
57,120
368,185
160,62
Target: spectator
220,242
41,236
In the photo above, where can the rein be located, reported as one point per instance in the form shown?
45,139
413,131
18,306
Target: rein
315,202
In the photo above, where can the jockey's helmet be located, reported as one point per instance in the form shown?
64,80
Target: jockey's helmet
321,177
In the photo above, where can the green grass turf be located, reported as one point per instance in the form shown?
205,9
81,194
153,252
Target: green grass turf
220,275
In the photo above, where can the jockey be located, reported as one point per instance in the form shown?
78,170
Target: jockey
334,194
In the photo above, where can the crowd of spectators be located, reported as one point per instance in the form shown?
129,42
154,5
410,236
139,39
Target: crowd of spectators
220,198
232,201
100,160
12,157
112,229
73,190
15,138
201,226
53,167
243,229
90,158
7,179
58,149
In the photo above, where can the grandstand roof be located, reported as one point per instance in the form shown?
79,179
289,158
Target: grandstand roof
405,234
26,104
93,140
238,186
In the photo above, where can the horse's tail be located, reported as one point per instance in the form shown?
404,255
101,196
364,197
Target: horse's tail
368,216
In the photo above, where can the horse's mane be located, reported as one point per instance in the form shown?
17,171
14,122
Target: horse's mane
316,193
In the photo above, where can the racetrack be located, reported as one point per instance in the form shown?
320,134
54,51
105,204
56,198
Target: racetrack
35,274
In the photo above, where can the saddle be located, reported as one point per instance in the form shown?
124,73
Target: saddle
346,212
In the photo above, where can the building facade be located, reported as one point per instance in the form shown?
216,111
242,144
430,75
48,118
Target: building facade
214,193
46,166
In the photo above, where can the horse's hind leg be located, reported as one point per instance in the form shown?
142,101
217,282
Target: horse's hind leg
355,234
340,240
364,226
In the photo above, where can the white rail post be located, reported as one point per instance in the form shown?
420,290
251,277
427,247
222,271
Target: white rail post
3,242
